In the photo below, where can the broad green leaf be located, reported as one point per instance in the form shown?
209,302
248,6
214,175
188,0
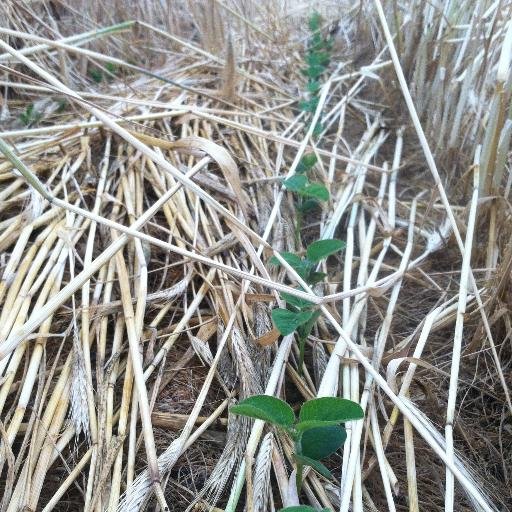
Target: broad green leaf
318,443
314,72
308,205
302,426
317,58
311,104
308,161
316,277
318,129
315,22
302,266
304,269
305,329
287,321
296,183
266,408
314,86
330,409
315,42
315,464
296,301
302,508
316,190
320,249
292,259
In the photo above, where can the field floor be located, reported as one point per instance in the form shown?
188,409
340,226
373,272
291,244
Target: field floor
144,153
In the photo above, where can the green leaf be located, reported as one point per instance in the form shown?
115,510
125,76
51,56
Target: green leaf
330,409
311,104
318,129
314,87
316,465
314,22
317,57
266,408
96,75
316,277
111,67
318,443
308,206
307,162
304,330
314,72
287,321
304,269
315,190
302,426
322,248
302,508
301,266
292,259
296,183
296,301
315,42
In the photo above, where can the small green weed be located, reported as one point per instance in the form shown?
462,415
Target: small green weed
98,75
30,116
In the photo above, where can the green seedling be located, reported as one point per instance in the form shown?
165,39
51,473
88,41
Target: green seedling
98,76
309,194
318,57
301,185
307,162
317,433
300,315
111,68
30,116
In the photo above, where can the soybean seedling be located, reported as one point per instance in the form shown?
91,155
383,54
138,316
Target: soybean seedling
318,56
316,434
300,314
308,193
317,61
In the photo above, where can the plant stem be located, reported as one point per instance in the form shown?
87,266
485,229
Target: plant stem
302,348
298,477
298,224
